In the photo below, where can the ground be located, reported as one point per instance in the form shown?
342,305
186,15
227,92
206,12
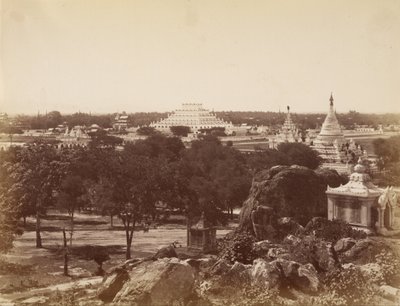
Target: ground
27,271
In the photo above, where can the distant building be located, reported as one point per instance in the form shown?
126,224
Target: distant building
331,138
192,115
288,132
120,122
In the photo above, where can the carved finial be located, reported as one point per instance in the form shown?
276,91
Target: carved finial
331,100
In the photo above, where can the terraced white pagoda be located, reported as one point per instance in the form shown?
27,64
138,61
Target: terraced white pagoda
330,139
192,115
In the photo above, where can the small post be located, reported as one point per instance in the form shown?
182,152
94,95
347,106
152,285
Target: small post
65,253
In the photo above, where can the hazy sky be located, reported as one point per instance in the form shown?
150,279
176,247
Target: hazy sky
114,55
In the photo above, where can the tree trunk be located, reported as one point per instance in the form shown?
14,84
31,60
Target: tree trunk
128,245
38,237
111,221
65,253
187,231
24,218
71,230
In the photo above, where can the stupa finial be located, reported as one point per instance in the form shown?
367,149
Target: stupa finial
331,100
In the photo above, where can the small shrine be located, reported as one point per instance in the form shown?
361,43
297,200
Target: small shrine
202,236
361,203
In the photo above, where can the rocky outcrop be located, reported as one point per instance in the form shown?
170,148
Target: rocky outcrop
280,191
157,283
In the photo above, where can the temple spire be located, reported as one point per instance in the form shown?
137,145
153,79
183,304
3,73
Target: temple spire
331,100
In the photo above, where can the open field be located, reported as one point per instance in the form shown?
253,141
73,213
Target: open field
26,268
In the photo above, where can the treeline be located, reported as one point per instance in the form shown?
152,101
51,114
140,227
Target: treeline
209,178
388,152
304,121
309,121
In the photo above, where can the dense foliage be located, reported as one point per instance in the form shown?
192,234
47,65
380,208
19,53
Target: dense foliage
238,247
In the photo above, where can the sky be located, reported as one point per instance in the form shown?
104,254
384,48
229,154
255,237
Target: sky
105,56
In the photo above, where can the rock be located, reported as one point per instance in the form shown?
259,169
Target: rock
390,292
112,284
239,272
161,282
261,218
222,266
289,268
202,264
315,223
323,256
303,277
363,251
314,250
372,273
291,239
166,252
308,280
36,300
278,188
277,252
344,244
263,244
265,274
288,226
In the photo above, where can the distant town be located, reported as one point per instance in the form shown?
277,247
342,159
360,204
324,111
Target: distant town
350,133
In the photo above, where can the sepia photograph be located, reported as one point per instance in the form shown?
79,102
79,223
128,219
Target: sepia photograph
200,152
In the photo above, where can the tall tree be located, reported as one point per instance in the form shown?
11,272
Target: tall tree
37,174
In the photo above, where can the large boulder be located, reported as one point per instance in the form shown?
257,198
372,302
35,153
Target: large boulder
160,282
316,251
290,191
112,284
265,274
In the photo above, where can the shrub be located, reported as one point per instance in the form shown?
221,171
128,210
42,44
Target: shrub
238,247
389,263
333,230
348,287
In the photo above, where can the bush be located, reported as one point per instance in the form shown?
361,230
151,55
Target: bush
333,230
238,247
348,287
389,263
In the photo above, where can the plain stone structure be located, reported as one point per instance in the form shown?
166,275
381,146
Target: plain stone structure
192,115
202,236
361,203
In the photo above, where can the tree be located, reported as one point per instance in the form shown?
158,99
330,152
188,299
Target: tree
300,154
36,174
134,181
70,197
219,177
10,209
180,130
261,160
146,131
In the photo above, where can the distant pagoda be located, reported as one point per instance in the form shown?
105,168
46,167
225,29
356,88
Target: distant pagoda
192,115
331,131
330,140
288,132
